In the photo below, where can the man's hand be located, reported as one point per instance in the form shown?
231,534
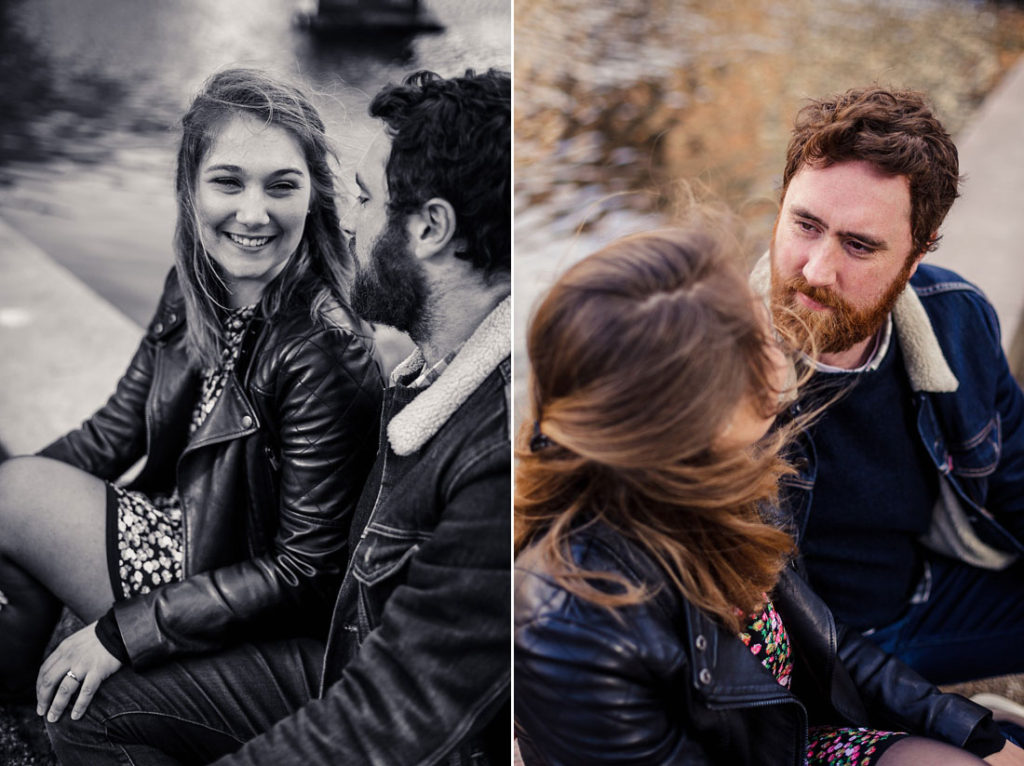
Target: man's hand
79,665
1010,755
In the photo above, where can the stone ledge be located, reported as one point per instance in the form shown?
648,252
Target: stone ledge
63,347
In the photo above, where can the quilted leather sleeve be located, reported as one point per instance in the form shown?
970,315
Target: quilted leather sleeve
321,402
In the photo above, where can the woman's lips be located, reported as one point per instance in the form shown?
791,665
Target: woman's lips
245,241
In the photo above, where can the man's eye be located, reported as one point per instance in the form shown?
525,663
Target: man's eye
805,226
362,199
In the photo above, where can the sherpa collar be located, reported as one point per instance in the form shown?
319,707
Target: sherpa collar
926,365
423,417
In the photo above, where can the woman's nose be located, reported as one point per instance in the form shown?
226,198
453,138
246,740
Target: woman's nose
252,209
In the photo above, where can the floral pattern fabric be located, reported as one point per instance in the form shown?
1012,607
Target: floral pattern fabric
149,529
766,637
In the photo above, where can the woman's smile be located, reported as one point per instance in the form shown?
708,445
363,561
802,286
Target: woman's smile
248,242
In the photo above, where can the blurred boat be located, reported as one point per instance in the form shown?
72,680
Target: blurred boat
347,16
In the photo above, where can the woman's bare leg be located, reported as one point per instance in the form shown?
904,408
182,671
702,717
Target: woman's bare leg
52,551
920,751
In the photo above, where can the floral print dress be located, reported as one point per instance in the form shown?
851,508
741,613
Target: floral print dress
149,528
767,639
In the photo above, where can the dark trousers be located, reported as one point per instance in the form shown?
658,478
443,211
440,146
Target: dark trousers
192,711
967,625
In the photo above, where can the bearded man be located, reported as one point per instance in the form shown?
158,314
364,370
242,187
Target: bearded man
909,503
416,666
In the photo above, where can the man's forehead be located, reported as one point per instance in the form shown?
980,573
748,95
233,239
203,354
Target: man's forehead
848,187
372,170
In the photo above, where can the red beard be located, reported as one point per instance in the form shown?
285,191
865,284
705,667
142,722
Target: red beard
831,331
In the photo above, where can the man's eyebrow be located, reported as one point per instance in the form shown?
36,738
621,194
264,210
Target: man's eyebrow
873,242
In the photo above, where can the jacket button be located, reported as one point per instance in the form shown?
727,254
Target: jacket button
246,422
158,328
705,676
172,318
701,643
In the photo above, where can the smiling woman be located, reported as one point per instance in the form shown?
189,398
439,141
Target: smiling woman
254,399
252,201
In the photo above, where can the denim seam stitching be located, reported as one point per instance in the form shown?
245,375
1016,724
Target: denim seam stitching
171,716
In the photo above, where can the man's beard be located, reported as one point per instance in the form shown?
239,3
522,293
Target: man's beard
392,289
828,332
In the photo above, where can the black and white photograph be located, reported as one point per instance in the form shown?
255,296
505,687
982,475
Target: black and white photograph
255,315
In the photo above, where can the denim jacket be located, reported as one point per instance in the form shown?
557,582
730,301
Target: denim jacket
417,668
970,419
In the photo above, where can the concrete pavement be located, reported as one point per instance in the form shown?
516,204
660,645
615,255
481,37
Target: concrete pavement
984,232
62,347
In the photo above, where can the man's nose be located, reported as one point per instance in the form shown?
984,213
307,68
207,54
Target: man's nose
347,209
820,268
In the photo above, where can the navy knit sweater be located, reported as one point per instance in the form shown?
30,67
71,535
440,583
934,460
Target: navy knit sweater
873,496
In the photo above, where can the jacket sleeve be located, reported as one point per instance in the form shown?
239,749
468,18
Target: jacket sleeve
327,400
109,442
899,699
1005,496
438,666
593,687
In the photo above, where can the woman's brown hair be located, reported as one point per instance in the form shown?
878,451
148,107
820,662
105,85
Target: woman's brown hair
640,354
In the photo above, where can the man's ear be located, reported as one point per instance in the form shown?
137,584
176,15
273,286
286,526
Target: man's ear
432,227
921,255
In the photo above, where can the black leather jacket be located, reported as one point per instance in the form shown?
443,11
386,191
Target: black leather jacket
267,483
662,683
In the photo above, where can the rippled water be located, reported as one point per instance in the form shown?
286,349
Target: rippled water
618,103
93,89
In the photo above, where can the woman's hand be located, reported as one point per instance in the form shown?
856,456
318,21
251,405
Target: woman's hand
79,665
1010,755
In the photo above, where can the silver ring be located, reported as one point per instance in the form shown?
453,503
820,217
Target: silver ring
72,676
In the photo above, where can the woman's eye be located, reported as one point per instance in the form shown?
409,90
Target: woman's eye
362,199
283,187
226,182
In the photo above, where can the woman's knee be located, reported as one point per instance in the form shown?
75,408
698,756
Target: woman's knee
920,751
18,476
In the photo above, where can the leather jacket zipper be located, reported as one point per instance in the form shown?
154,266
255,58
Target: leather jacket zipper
275,464
801,741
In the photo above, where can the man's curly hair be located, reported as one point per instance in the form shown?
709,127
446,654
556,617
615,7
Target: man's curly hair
896,132
452,138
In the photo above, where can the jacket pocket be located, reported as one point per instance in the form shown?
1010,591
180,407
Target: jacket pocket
384,552
380,565
978,455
